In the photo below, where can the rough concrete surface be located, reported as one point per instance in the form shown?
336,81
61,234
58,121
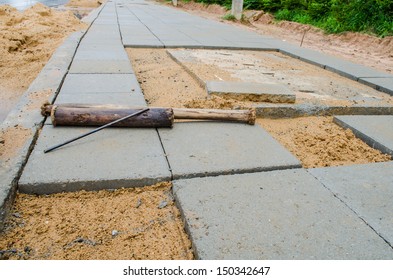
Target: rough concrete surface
213,148
366,189
376,131
284,214
111,158
257,92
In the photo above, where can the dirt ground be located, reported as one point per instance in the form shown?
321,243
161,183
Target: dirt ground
318,142
166,84
356,47
129,224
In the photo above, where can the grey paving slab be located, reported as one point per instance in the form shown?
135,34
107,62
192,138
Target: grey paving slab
284,214
376,131
112,158
100,83
367,189
212,148
252,91
133,43
92,66
353,71
102,54
118,98
382,84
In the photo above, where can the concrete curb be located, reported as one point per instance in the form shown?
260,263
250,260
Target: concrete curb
50,80
305,110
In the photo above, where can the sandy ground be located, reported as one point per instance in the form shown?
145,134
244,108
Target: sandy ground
137,223
165,83
84,3
360,48
318,142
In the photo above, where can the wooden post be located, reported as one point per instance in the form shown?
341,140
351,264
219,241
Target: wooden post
69,116
237,9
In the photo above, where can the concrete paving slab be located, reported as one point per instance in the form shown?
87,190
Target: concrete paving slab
118,98
100,83
381,84
284,214
197,149
101,55
257,92
367,189
376,131
92,66
112,158
303,110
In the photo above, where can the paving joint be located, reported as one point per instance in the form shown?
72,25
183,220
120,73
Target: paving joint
350,208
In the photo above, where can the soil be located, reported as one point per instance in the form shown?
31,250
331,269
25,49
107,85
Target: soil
318,142
136,223
360,48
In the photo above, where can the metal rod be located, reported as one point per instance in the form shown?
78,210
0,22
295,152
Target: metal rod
95,130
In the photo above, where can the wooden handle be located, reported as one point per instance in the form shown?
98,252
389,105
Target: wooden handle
245,116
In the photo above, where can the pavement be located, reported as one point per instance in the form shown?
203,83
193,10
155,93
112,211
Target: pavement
242,195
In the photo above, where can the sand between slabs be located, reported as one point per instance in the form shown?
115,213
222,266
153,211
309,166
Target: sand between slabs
318,142
136,223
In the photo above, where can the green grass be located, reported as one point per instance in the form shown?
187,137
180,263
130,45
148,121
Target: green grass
229,17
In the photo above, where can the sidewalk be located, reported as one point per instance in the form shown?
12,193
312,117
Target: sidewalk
241,193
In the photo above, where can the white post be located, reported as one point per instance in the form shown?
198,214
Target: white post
237,8
174,2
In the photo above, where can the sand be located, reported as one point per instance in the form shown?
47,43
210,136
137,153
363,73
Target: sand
318,142
12,140
136,223
28,40
84,3
166,84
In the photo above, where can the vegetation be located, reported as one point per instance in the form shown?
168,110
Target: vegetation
229,16
333,16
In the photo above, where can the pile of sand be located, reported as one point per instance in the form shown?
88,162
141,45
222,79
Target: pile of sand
27,41
318,142
84,3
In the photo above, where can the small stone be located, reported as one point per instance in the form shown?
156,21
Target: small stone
139,203
16,215
115,233
162,204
